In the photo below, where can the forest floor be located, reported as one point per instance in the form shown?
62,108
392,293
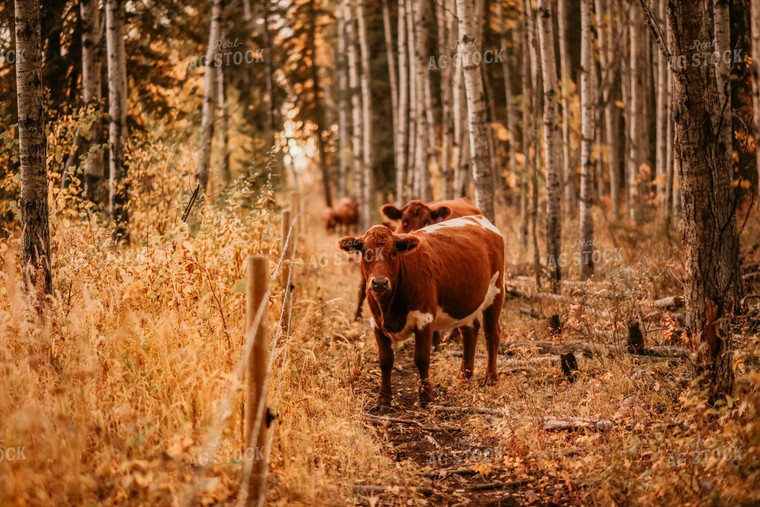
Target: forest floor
115,390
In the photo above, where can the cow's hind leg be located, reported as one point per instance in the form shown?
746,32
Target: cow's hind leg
492,331
423,343
385,350
469,341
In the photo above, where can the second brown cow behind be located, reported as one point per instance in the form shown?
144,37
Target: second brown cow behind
343,215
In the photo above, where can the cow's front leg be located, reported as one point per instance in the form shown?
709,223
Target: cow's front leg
385,351
469,341
423,343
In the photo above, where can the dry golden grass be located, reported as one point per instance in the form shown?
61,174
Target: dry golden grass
112,391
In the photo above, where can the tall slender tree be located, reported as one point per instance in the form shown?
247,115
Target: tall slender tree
443,13
607,55
568,169
661,124
117,111
402,139
588,100
639,137
713,284
366,202
722,24
91,90
476,111
422,144
527,126
756,81
32,148
342,70
319,107
508,103
552,142
356,99
389,52
210,95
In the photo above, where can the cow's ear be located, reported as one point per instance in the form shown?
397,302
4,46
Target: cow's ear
407,242
350,244
391,212
440,214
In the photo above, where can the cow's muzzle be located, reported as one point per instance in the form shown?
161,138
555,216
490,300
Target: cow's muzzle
380,286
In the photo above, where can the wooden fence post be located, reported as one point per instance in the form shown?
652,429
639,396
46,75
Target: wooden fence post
256,288
285,267
295,207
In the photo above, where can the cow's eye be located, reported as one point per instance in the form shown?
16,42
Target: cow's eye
405,223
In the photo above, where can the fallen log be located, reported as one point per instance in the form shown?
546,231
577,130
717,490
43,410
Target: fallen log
575,423
373,489
499,485
668,302
475,410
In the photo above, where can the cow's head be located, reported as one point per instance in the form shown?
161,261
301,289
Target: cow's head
381,250
415,215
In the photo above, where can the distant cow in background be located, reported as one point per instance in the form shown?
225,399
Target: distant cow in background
444,276
417,214
343,214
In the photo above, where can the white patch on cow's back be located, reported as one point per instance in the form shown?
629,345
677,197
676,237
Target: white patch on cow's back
414,320
462,222
445,322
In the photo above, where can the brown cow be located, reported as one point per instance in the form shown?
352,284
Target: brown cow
444,276
345,212
416,214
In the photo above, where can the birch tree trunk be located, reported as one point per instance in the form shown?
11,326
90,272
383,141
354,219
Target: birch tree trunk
209,96
722,23
117,111
588,100
340,59
535,75
508,105
402,139
367,193
32,148
412,172
639,141
713,283
669,172
421,15
356,99
476,112
568,172
756,81
224,130
91,88
319,107
388,32
552,140
624,9
662,124
527,127
611,114
447,128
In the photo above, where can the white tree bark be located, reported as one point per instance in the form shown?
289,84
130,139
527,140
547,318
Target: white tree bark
402,139
412,173
661,151
552,140
117,111
368,188
388,32
209,97
356,99
611,114
421,16
476,112
639,141
527,128
756,79
32,148
445,18
508,104
92,90
588,127
341,68
568,172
